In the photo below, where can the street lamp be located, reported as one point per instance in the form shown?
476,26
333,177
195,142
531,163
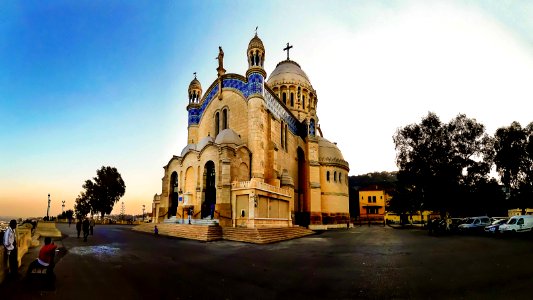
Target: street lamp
48,209
63,207
143,212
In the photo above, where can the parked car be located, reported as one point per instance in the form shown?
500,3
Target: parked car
518,224
495,226
475,224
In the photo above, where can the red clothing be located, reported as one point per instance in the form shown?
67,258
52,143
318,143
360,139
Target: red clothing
47,252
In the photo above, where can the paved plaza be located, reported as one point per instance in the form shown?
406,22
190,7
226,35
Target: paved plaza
361,262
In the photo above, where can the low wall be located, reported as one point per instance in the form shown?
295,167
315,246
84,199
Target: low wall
23,242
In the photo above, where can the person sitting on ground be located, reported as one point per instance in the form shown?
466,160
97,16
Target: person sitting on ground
46,256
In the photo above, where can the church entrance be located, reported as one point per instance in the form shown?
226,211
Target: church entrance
302,211
208,205
173,195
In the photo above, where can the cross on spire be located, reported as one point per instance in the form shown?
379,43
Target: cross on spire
256,30
287,49
194,75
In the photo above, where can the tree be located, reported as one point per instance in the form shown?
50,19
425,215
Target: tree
438,161
513,156
82,207
104,190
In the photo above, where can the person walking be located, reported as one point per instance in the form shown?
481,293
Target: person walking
78,227
156,231
85,226
10,244
91,226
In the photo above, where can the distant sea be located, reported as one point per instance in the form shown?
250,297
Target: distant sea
7,218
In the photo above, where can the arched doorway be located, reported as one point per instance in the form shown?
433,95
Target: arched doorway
210,190
302,214
173,195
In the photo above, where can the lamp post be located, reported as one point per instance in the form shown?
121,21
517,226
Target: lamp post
63,207
48,209
143,212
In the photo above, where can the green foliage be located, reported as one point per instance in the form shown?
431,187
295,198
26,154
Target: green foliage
101,193
440,162
82,207
513,156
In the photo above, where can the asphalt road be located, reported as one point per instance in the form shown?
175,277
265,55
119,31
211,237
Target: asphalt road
362,262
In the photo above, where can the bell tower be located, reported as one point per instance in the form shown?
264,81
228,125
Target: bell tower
195,95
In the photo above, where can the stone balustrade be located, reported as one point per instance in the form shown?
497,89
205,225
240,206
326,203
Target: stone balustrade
259,185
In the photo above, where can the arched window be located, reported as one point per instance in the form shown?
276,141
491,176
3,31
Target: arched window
303,102
327,175
217,123
282,135
224,119
335,176
340,177
292,99
284,98
285,137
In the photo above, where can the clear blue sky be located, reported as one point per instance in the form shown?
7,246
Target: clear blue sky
91,83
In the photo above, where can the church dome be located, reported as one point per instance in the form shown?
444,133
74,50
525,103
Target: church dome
256,43
328,152
204,142
228,136
289,71
188,148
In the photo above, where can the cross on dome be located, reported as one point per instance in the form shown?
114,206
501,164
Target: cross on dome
287,49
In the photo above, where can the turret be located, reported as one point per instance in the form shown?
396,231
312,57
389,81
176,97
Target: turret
256,56
195,95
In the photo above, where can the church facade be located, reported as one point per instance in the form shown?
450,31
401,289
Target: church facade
255,154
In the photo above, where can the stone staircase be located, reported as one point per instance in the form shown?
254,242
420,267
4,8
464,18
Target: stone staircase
209,233
264,235
204,233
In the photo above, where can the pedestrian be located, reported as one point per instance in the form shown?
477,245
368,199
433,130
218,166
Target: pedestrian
78,227
85,226
212,210
46,257
156,231
11,249
91,225
69,221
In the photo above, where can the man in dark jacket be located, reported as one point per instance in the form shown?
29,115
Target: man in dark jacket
78,227
85,226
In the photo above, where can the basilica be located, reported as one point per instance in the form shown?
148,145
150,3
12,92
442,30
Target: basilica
255,154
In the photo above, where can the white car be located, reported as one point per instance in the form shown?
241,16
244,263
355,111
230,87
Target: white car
518,224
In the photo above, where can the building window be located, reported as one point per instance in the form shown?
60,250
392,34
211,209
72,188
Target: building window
217,123
369,199
284,98
327,175
282,132
335,176
340,176
303,102
292,99
285,136
374,199
224,119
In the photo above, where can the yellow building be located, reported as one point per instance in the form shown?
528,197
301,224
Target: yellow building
255,154
372,202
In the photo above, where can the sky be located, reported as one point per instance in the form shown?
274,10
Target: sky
86,84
